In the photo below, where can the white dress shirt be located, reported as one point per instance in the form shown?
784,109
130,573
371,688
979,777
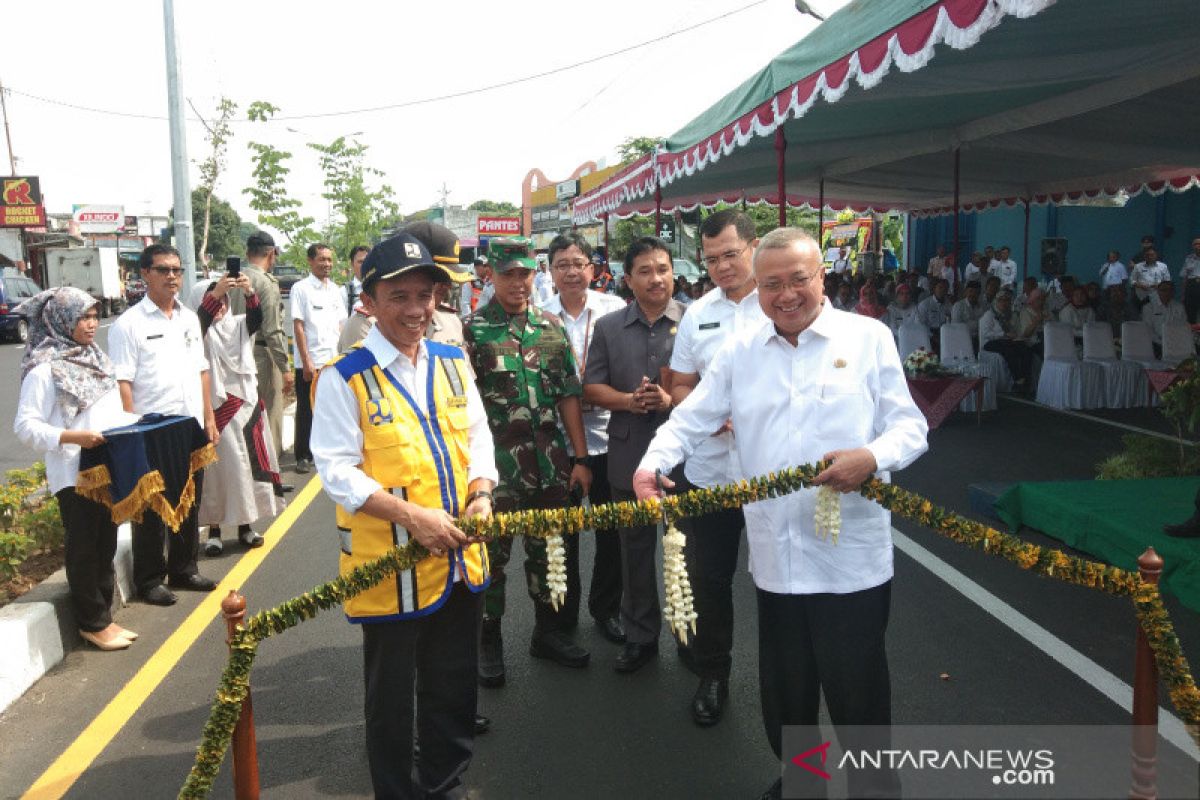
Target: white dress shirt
933,313
963,311
971,272
40,423
162,358
337,441
895,316
1077,318
321,306
579,333
1156,315
1153,274
1006,271
1113,273
543,288
841,387
1191,268
709,323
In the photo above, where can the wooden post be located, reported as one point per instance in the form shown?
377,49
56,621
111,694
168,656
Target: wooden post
245,749
1145,698
955,210
657,212
1025,273
781,174
821,213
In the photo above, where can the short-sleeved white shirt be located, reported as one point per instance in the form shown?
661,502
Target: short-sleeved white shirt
321,305
709,323
161,357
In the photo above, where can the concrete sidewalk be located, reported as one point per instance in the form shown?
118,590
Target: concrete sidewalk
38,628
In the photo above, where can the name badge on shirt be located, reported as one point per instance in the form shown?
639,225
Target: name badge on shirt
155,336
456,402
318,308
707,326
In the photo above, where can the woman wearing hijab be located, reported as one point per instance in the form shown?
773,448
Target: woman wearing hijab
244,485
868,302
69,395
998,334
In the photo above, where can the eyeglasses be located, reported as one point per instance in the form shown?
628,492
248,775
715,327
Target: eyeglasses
728,257
796,283
565,266
168,270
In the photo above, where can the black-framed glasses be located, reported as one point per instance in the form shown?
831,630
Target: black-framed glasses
726,257
564,266
168,270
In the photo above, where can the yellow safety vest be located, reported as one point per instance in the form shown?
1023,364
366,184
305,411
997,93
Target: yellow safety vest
422,459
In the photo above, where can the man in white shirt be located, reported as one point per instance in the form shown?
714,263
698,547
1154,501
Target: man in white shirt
1112,271
811,384
1160,311
1148,274
728,239
160,367
402,457
934,311
1004,268
358,255
543,285
579,308
937,263
318,314
969,310
841,264
975,269
1189,275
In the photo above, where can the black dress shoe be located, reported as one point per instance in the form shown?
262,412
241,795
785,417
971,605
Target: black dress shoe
286,488
303,466
774,793
709,701
191,583
159,596
482,724
557,647
634,656
611,629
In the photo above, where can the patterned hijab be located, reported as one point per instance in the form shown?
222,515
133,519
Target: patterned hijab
82,375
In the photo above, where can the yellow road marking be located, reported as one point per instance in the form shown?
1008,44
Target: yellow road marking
66,769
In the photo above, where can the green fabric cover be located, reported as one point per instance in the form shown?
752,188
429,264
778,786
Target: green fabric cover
1115,521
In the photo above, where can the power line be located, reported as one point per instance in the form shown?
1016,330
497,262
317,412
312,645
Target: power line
425,100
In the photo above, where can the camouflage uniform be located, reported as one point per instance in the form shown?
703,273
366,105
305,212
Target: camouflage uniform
524,366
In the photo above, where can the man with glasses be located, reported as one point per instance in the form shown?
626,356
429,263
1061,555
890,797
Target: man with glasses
270,344
158,359
580,308
728,239
812,384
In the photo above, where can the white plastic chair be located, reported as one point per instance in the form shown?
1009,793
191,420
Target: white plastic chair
1067,382
1136,345
1124,381
913,336
958,353
1178,343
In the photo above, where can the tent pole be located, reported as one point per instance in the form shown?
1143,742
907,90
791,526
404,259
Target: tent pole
604,233
1025,261
657,212
780,149
954,211
820,207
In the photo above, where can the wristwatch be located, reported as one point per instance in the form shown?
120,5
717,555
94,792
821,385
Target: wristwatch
478,493
581,461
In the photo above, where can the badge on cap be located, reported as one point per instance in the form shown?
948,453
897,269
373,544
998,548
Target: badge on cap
412,250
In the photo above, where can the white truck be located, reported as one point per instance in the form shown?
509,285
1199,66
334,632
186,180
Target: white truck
95,270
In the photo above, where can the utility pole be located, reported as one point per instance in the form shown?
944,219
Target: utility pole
445,195
12,159
179,162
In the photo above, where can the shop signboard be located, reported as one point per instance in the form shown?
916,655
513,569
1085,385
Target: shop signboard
21,203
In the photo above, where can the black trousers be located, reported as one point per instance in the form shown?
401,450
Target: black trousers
422,668
640,611
1191,299
303,417
1017,355
831,643
712,555
604,594
91,543
150,567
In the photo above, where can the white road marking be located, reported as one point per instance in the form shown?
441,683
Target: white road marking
1101,421
1170,727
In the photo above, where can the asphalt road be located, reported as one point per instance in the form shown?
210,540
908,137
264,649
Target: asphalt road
594,733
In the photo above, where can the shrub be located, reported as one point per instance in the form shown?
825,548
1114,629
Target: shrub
29,518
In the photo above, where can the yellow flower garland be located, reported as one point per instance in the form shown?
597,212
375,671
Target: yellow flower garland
1151,613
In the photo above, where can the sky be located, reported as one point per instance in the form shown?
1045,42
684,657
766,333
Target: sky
309,57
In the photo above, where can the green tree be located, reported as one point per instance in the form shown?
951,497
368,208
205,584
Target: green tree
359,213
217,134
501,207
225,228
635,147
268,195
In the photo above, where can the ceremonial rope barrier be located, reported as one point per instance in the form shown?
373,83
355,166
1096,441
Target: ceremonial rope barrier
1152,615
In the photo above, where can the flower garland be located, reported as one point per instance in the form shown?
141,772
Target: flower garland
1151,613
677,588
556,569
828,516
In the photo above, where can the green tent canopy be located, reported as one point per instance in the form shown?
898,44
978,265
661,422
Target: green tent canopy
1043,99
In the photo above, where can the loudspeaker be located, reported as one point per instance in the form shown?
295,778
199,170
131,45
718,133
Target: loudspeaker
1054,257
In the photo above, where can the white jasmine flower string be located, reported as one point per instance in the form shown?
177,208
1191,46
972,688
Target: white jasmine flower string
676,586
556,568
828,516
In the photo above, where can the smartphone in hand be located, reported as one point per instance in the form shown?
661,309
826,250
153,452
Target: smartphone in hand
233,266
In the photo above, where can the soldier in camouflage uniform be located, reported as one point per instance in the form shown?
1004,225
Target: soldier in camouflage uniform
525,371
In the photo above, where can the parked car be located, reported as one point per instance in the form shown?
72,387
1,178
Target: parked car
288,276
135,290
14,288
687,269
